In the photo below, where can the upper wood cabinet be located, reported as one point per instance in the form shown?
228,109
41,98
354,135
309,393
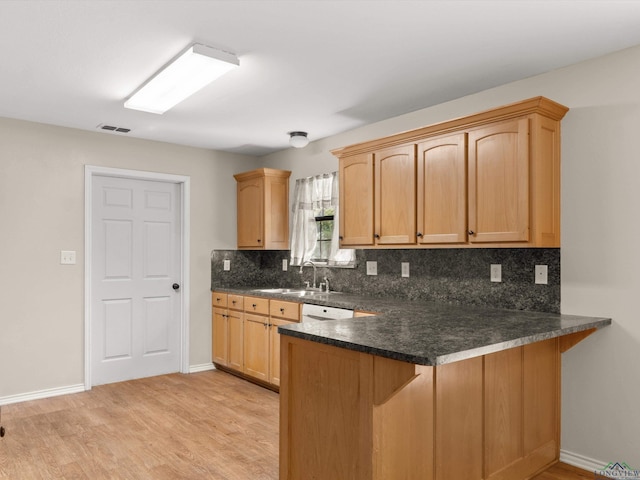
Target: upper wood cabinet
491,179
263,209
356,200
499,182
442,190
395,195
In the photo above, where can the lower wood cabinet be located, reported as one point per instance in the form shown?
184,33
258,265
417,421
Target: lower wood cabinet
235,337
245,335
256,346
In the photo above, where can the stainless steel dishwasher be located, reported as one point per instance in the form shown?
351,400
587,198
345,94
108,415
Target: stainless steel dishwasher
319,313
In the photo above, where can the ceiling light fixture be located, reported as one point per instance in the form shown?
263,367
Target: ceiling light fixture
298,139
194,68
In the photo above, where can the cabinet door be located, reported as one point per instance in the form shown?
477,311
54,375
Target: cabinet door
274,350
395,196
256,346
219,336
251,213
276,221
356,200
235,345
442,190
499,182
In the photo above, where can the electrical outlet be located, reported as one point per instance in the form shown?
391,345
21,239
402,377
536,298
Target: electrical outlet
541,274
496,272
372,268
226,265
404,267
67,257
284,265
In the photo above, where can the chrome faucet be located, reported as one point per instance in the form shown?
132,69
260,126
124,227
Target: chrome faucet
308,262
326,284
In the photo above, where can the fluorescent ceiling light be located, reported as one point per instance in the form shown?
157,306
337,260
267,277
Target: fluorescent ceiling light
198,66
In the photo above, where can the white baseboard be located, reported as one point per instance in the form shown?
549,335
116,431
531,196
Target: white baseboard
201,368
40,394
580,461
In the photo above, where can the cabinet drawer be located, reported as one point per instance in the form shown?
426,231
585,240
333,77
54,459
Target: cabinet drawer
288,310
235,302
218,299
256,305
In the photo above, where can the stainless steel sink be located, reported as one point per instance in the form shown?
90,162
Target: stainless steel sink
294,292
304,293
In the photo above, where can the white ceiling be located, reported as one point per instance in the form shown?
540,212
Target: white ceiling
318,66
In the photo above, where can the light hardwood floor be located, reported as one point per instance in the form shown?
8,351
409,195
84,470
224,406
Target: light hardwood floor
208,425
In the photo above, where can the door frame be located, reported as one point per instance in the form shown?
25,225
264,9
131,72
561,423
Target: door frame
183,181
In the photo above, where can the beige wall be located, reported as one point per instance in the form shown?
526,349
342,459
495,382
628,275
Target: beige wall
600,232
42,212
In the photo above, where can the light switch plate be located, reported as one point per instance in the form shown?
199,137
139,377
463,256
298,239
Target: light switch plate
404,267
67,257
541,274
226,265
284,265
372,268
496,272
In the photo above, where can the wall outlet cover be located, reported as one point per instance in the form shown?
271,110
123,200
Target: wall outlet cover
404,268
541,272
284,265
226,265
496,272
372,268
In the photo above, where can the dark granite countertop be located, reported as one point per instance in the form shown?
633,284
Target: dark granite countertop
427,333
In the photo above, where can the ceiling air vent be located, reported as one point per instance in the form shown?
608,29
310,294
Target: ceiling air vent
111,128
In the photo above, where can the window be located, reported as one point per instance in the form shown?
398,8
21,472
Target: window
314,236
324,225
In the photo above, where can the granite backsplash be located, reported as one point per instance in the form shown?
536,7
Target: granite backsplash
452,276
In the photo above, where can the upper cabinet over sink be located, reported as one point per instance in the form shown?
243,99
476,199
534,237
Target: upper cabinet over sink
263,209
488,180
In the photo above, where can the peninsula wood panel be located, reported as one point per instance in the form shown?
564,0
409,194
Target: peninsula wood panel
442,190
503,427
356,200
395,195
493,417
499,182
541,365
402,420
458,420
331,405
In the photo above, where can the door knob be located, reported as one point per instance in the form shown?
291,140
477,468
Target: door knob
175,286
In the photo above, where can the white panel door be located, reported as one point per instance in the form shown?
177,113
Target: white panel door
136,255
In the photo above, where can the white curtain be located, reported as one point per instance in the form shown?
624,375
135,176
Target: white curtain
310,194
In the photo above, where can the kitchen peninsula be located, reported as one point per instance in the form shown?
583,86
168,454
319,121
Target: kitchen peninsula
423,391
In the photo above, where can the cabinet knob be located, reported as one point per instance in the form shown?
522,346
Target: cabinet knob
259,240
419,234
254,305
341,237
377,235
282,310
471,232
